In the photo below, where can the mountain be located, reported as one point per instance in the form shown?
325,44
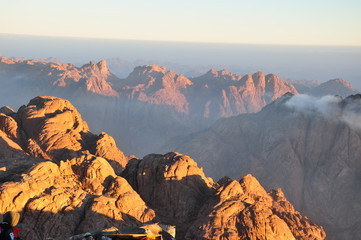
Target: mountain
66,79
156,85
224,94
333,87
308,146
303,86
66,180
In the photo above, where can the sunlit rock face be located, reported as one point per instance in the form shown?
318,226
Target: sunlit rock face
83,192
52,128
173,185
244,210
177,189
307,146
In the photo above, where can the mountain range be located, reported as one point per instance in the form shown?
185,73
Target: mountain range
152,105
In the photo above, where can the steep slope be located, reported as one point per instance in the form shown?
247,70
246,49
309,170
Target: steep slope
307,146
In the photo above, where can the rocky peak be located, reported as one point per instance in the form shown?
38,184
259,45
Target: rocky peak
52,128
244,210
102,65
172,184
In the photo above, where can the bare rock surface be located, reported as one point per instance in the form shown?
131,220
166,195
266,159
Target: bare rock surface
172,184
244,210
52,128
177,189
84,193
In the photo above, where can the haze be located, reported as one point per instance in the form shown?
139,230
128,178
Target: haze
320,63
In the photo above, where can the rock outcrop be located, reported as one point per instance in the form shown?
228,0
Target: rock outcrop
307,146
177,189
244,210
77,195
51,128
173,185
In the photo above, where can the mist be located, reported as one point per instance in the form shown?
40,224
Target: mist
320,63
332,107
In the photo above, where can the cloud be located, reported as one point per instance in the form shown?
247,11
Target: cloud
326,105
329,106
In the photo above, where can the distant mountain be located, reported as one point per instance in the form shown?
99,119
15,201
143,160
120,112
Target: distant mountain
303,86
223,94
156,85
57,77
66,180
308,146
333,87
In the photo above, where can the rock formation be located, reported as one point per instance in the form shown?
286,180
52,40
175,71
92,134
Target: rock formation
244,210
65,181
307,146
177,189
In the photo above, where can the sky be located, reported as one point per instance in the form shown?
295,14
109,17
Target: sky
284,22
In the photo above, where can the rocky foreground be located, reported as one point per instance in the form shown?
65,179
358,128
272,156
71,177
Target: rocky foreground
65,180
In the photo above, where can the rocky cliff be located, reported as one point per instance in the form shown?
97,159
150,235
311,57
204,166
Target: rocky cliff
65,180
308,146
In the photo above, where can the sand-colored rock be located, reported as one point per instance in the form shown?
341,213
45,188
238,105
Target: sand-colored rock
173,185
52,128
75,196
106,147
244,210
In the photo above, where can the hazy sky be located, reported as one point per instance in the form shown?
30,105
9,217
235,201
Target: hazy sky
306,22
